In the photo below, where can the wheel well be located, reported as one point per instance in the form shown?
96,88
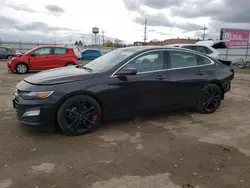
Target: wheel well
69,63
22,63
221,88
61,101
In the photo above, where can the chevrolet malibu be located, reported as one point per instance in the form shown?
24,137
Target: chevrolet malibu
126,81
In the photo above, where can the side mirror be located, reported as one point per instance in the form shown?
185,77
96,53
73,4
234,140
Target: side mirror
126,72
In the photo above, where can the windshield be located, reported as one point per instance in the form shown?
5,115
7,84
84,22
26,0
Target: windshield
30,50
109,60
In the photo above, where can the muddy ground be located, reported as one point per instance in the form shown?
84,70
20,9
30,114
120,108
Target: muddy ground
170,150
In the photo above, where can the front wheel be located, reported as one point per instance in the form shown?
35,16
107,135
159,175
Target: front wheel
210,99
79,115
22,68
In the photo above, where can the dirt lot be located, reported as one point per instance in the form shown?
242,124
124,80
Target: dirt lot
171,150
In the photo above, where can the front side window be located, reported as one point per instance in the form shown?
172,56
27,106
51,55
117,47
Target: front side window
43,51
60,51
180,59
148,62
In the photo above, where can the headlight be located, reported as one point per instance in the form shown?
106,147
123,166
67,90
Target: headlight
36,95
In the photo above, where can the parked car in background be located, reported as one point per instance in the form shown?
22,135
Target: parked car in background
125,81
90,54
43,58
76,50
8,53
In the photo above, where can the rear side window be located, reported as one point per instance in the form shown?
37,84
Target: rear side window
3,50
188,47
92,51
202,60
202,49
180,59
60,51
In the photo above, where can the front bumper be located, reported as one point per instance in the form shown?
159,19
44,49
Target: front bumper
40,115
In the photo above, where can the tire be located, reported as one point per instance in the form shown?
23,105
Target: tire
9,57
210,99
79,115
22,68
69,64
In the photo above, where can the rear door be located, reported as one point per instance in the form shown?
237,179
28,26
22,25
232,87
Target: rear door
188,73
42,59
59,57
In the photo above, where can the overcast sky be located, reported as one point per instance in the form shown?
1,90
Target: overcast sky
58,20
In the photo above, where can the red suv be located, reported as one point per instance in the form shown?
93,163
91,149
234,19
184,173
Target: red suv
43,58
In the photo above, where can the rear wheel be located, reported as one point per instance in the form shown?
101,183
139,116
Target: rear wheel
9,57
79,115
22,68
210,99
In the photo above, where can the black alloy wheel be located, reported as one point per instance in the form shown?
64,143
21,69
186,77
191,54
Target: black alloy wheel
210,99
79,115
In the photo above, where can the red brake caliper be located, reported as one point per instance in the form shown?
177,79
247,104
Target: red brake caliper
95,117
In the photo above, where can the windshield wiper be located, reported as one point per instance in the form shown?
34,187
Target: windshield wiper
86,68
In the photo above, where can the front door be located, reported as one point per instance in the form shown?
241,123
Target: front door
143,91
41,59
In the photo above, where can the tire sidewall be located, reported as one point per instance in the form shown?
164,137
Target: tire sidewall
200,107
27,68
61,112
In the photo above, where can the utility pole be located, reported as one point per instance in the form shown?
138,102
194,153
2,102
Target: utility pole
145,31
103,37
70,40
204,32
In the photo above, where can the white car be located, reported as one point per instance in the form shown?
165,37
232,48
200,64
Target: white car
76,50
207,47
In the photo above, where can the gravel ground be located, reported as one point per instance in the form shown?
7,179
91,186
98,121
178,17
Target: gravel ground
169,150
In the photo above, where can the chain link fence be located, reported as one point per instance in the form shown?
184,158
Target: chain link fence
26,46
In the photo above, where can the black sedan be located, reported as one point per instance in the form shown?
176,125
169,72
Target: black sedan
123,82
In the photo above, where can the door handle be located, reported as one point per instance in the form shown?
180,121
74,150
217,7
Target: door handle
160,77
200,72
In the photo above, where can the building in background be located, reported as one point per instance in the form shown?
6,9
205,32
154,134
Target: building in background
173,41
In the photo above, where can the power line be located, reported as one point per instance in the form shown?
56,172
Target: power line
145,31
204,32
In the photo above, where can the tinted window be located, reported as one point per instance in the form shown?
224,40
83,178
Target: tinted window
109,60
188,47
43,51
92,51
185,59
202,49
147,62
2,49
202,60
60,51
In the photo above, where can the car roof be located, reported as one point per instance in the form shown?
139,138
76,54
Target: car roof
187,44
148,48
52,46
91,49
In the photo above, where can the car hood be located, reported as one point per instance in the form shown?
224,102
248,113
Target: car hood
59,76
